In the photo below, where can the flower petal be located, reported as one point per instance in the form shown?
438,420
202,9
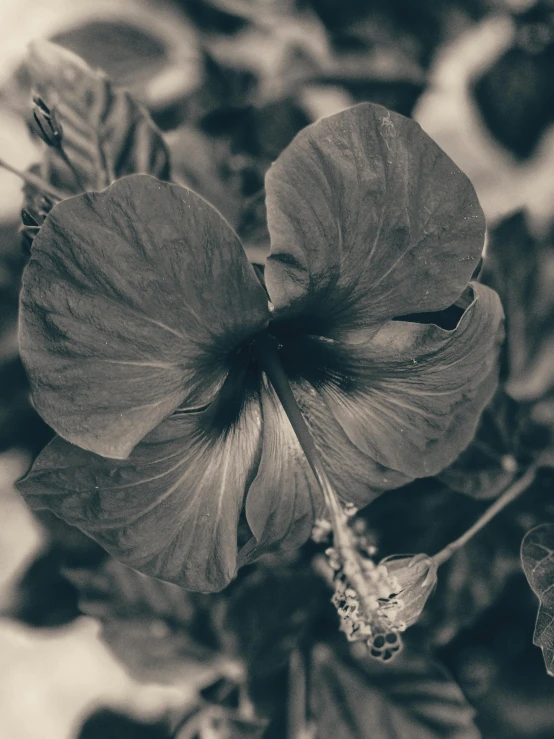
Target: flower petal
284,500
369,220
171,510
418,390
132,304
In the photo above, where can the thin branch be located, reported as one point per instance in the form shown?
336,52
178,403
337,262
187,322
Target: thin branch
510,494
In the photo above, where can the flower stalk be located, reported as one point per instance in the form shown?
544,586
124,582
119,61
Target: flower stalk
33,180
509,495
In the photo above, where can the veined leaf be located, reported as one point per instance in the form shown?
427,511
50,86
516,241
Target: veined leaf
537,558
106,133
414,697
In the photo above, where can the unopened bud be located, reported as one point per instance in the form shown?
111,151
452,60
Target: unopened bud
49,128
28,220
416,576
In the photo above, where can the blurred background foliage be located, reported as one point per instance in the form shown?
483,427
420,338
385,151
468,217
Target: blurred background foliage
230,82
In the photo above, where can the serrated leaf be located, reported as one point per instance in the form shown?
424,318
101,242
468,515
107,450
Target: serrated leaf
413,697
537,558
106,133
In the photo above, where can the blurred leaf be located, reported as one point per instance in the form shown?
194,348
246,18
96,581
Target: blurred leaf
281,49
270,611
413,697
489,463
521,269
106,134
515,94
43,597
215,722
537,557
469,584
148,624
109,724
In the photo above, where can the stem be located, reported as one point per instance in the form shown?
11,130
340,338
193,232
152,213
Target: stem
33,180
510,494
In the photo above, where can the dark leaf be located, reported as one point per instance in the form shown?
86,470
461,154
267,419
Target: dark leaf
270,610
413,697
470,583
474,577
515,95
149,625
216,722
521,268
109,724
43,597
133,302
490,462
106,134
537,557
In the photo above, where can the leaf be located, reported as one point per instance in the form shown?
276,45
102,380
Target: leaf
110,724
133,303
470,583
413,697
515,94
528,302
537,557
149,625
106,133
42,597
472,580
269,611
372,185
490,462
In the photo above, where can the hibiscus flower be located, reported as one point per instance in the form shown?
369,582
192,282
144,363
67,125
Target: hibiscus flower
204,417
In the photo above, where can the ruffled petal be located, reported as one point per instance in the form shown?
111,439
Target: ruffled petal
416,391
369,220
171,510
133,303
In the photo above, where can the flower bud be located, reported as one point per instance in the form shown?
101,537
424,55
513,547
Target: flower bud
417,577
49,128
